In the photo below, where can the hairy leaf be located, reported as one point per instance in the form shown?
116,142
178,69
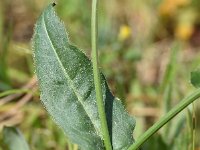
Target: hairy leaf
67,89
14,139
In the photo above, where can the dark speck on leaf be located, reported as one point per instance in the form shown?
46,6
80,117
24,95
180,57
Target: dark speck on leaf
54,4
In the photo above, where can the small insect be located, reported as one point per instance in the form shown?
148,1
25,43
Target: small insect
54,4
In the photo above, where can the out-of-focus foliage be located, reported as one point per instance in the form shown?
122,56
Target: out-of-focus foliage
195,78
14,139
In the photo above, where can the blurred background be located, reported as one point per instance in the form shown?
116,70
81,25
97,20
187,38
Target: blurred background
147,50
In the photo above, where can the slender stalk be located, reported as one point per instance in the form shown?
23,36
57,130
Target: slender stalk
70,145
167,105
171,114
97,81
189,127
13,91
193,126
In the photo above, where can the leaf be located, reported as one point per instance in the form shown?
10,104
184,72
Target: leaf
14,139
67,89
171,68
195,78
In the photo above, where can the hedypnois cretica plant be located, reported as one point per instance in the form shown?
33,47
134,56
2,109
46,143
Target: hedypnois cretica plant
76,94
67,87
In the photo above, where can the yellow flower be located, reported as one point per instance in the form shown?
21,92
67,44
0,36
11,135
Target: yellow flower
184,31
169,7
124,32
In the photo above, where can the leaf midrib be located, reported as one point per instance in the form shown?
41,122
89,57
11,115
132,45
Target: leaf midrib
66,74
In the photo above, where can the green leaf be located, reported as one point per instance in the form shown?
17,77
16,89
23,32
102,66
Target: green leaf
195,78
170,71
14,139
67,89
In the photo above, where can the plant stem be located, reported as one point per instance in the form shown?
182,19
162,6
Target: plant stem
193,126
13,91
97,80
172,113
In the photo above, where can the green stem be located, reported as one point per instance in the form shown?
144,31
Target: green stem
193,126
97,81
14,91
172,113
